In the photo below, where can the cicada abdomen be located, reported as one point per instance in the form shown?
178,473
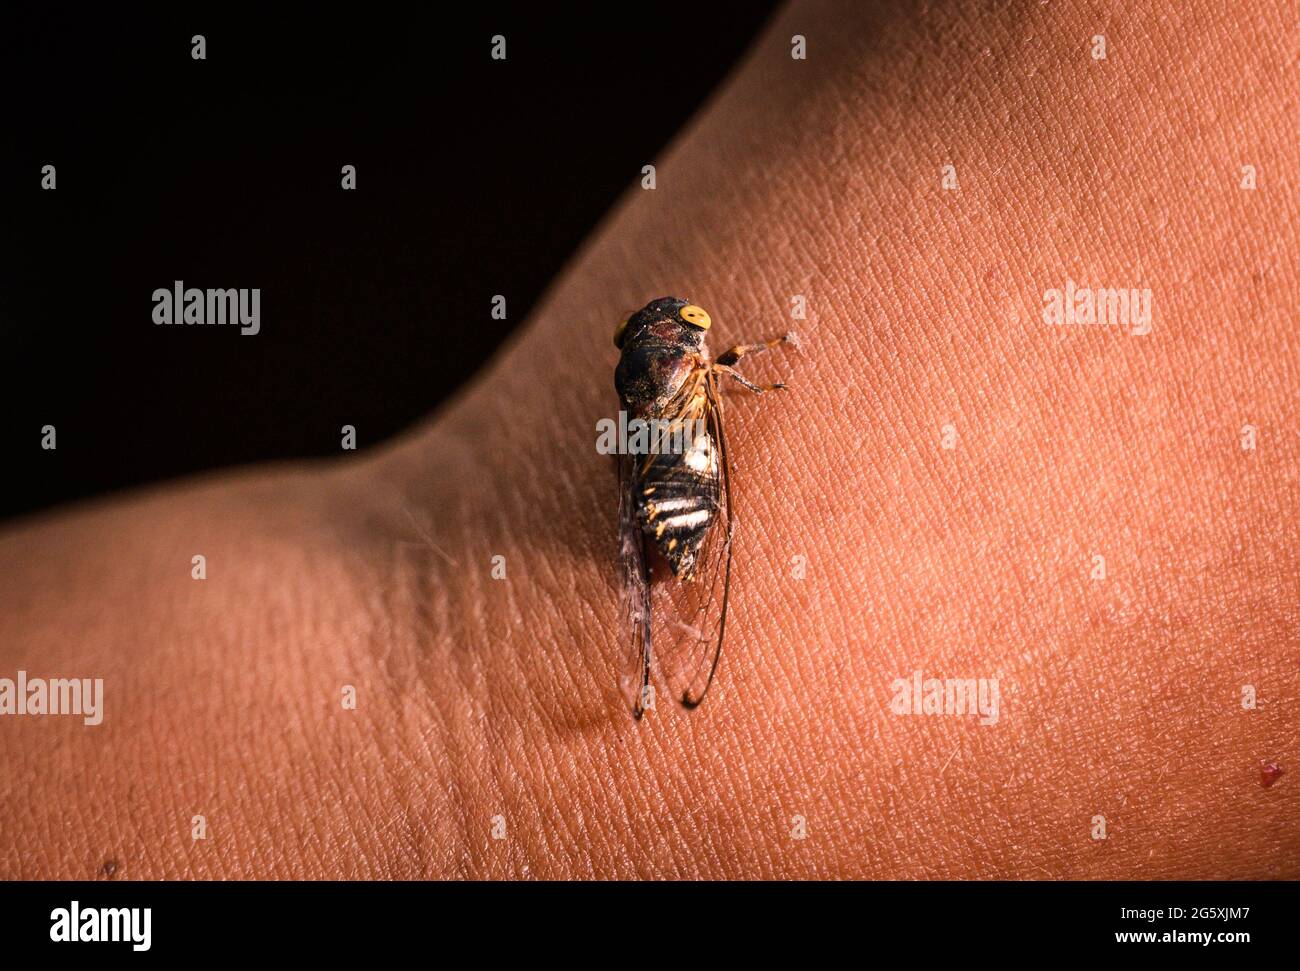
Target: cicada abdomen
679,498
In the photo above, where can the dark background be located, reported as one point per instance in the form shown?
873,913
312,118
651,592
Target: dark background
474,177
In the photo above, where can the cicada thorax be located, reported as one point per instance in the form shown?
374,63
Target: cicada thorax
652,374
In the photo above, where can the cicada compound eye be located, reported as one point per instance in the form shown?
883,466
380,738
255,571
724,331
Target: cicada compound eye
695,316
620,333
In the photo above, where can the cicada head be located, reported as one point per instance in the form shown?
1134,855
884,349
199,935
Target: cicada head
668,320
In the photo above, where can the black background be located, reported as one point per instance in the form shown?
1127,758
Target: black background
474,177
911,924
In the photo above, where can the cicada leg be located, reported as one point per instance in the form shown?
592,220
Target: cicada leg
734,354
731,372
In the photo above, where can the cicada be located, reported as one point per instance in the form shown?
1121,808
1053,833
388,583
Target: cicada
676,520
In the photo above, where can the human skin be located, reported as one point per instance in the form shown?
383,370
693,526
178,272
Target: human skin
489,703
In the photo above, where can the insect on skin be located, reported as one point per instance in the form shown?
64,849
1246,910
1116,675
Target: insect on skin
675,511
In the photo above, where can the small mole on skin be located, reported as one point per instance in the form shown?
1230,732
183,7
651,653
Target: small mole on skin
109,868
1269,773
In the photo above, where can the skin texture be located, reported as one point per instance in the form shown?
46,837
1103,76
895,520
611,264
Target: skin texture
480,698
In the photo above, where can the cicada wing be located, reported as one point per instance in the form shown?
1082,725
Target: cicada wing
691,615
634,662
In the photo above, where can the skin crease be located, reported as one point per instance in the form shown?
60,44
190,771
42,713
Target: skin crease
482,698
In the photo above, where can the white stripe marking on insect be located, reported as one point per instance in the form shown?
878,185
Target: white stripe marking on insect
687,520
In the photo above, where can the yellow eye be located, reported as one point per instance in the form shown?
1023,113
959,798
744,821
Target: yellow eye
695,316
618,334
